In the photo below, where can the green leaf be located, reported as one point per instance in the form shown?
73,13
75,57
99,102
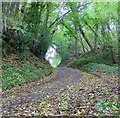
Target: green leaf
100,108
106,103
99,103
114,107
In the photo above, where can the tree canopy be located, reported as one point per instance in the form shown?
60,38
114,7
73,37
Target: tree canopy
77,27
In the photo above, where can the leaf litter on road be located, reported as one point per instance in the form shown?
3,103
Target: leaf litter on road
76,98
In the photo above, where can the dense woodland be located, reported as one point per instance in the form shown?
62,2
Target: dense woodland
86,34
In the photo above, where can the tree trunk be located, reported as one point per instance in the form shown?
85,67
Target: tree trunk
84,36
95,33
12,8
10,3
42,5
1,22
103,35
47,14
17,7
82,44
23,9
95,41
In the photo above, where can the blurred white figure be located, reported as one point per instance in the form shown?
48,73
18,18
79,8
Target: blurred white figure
51,52
52,56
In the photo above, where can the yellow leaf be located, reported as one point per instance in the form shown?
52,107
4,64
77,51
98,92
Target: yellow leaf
79,113
83,111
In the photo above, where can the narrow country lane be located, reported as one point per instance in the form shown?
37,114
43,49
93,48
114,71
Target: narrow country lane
63,78
66,91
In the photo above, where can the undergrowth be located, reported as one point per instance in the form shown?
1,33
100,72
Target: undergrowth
95,63
100,67
22,69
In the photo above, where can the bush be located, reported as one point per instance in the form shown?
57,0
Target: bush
100,58
83,61
100,67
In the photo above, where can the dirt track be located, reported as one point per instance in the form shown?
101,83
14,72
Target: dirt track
32,91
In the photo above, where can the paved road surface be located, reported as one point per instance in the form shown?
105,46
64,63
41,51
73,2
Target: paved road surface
64,77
